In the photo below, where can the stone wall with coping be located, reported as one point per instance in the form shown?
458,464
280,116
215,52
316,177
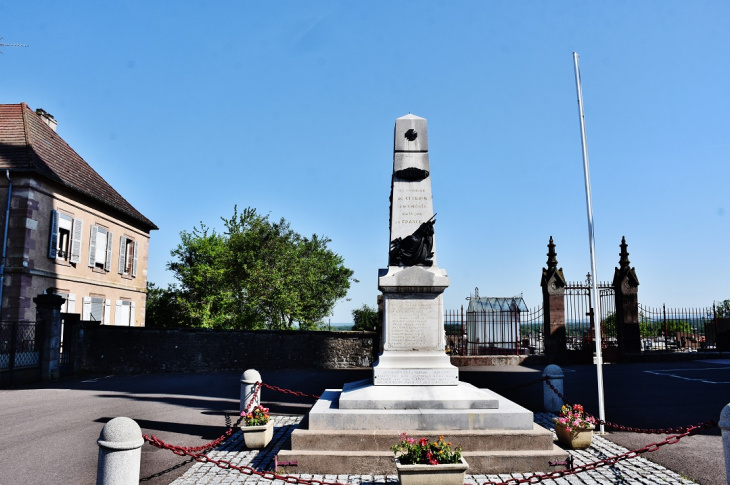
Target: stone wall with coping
133,350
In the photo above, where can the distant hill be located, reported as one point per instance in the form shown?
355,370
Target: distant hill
340,327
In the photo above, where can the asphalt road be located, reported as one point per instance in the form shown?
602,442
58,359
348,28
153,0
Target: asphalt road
50,431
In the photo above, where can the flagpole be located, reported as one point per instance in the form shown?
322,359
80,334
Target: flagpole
595,303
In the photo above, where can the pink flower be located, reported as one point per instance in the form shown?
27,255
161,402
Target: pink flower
411,440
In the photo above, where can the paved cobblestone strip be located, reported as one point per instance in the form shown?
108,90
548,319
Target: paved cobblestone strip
636,471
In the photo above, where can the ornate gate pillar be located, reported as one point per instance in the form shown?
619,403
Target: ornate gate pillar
553,303
626,287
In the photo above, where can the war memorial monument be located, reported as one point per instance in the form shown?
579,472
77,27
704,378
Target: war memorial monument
414,387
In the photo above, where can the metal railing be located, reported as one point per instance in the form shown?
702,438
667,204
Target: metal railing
497,332
18,345
678,329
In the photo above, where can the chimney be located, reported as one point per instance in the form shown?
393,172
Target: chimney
47,118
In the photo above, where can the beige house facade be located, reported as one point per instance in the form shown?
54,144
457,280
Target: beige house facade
67,228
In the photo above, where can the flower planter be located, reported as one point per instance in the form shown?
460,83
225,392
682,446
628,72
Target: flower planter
446,474
257,437
575,439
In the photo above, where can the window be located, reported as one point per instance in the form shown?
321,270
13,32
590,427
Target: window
96,309
65,243
124,313
127,256
100,248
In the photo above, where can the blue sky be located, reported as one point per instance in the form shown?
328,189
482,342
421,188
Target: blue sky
188,109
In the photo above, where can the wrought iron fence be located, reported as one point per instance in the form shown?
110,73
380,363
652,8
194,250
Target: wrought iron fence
485,332
678,329
18,345
579,321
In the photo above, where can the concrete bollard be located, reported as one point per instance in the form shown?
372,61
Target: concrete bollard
551,401
248,385
725,427
120,451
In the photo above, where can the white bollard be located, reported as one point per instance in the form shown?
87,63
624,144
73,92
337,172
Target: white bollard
725,427
551,401
248,385
120,451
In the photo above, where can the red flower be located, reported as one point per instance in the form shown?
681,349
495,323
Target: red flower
423,442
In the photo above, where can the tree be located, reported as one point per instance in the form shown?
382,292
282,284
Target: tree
365,318
162,308
722,309
257,274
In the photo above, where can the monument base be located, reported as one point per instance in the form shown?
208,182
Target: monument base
415,368
327,414
363,395
332,440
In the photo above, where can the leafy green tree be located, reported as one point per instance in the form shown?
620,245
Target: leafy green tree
162,308
365,318
257,274
722,309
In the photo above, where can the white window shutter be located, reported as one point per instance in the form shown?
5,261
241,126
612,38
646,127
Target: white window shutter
108,262
86,308
134,260
107,312
118,313
92,246
122,253
53,240
78,227
71,307
131,315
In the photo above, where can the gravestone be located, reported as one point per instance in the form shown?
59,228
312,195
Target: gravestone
414,387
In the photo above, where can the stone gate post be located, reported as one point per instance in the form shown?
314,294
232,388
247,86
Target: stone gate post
553,303
48,323
626,287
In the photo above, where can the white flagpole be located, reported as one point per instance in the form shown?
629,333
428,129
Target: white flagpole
589,207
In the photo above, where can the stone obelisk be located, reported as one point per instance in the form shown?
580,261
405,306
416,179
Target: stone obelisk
414,387
413,284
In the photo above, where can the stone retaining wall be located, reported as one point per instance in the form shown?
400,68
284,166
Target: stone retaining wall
132,350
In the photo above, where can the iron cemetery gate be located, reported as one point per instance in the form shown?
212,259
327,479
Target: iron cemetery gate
580,321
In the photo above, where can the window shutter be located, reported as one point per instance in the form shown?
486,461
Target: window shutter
86,308
122,253
118,313
131,316
71,303
53,240
78,226
108,262
107,311
134,260
92,246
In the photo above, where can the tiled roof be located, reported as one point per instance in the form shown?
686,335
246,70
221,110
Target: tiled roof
28,144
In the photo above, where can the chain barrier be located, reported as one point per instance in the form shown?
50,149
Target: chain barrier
619,427
194,452
157,442
246,470
601,463
288,391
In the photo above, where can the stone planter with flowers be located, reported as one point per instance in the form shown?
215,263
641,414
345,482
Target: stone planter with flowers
574,428
257,428
428,463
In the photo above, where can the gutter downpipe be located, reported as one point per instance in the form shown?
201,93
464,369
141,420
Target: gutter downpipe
5,239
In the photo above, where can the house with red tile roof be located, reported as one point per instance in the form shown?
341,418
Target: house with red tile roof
65,228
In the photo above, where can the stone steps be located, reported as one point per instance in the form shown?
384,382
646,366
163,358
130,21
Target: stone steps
537,438
340,462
